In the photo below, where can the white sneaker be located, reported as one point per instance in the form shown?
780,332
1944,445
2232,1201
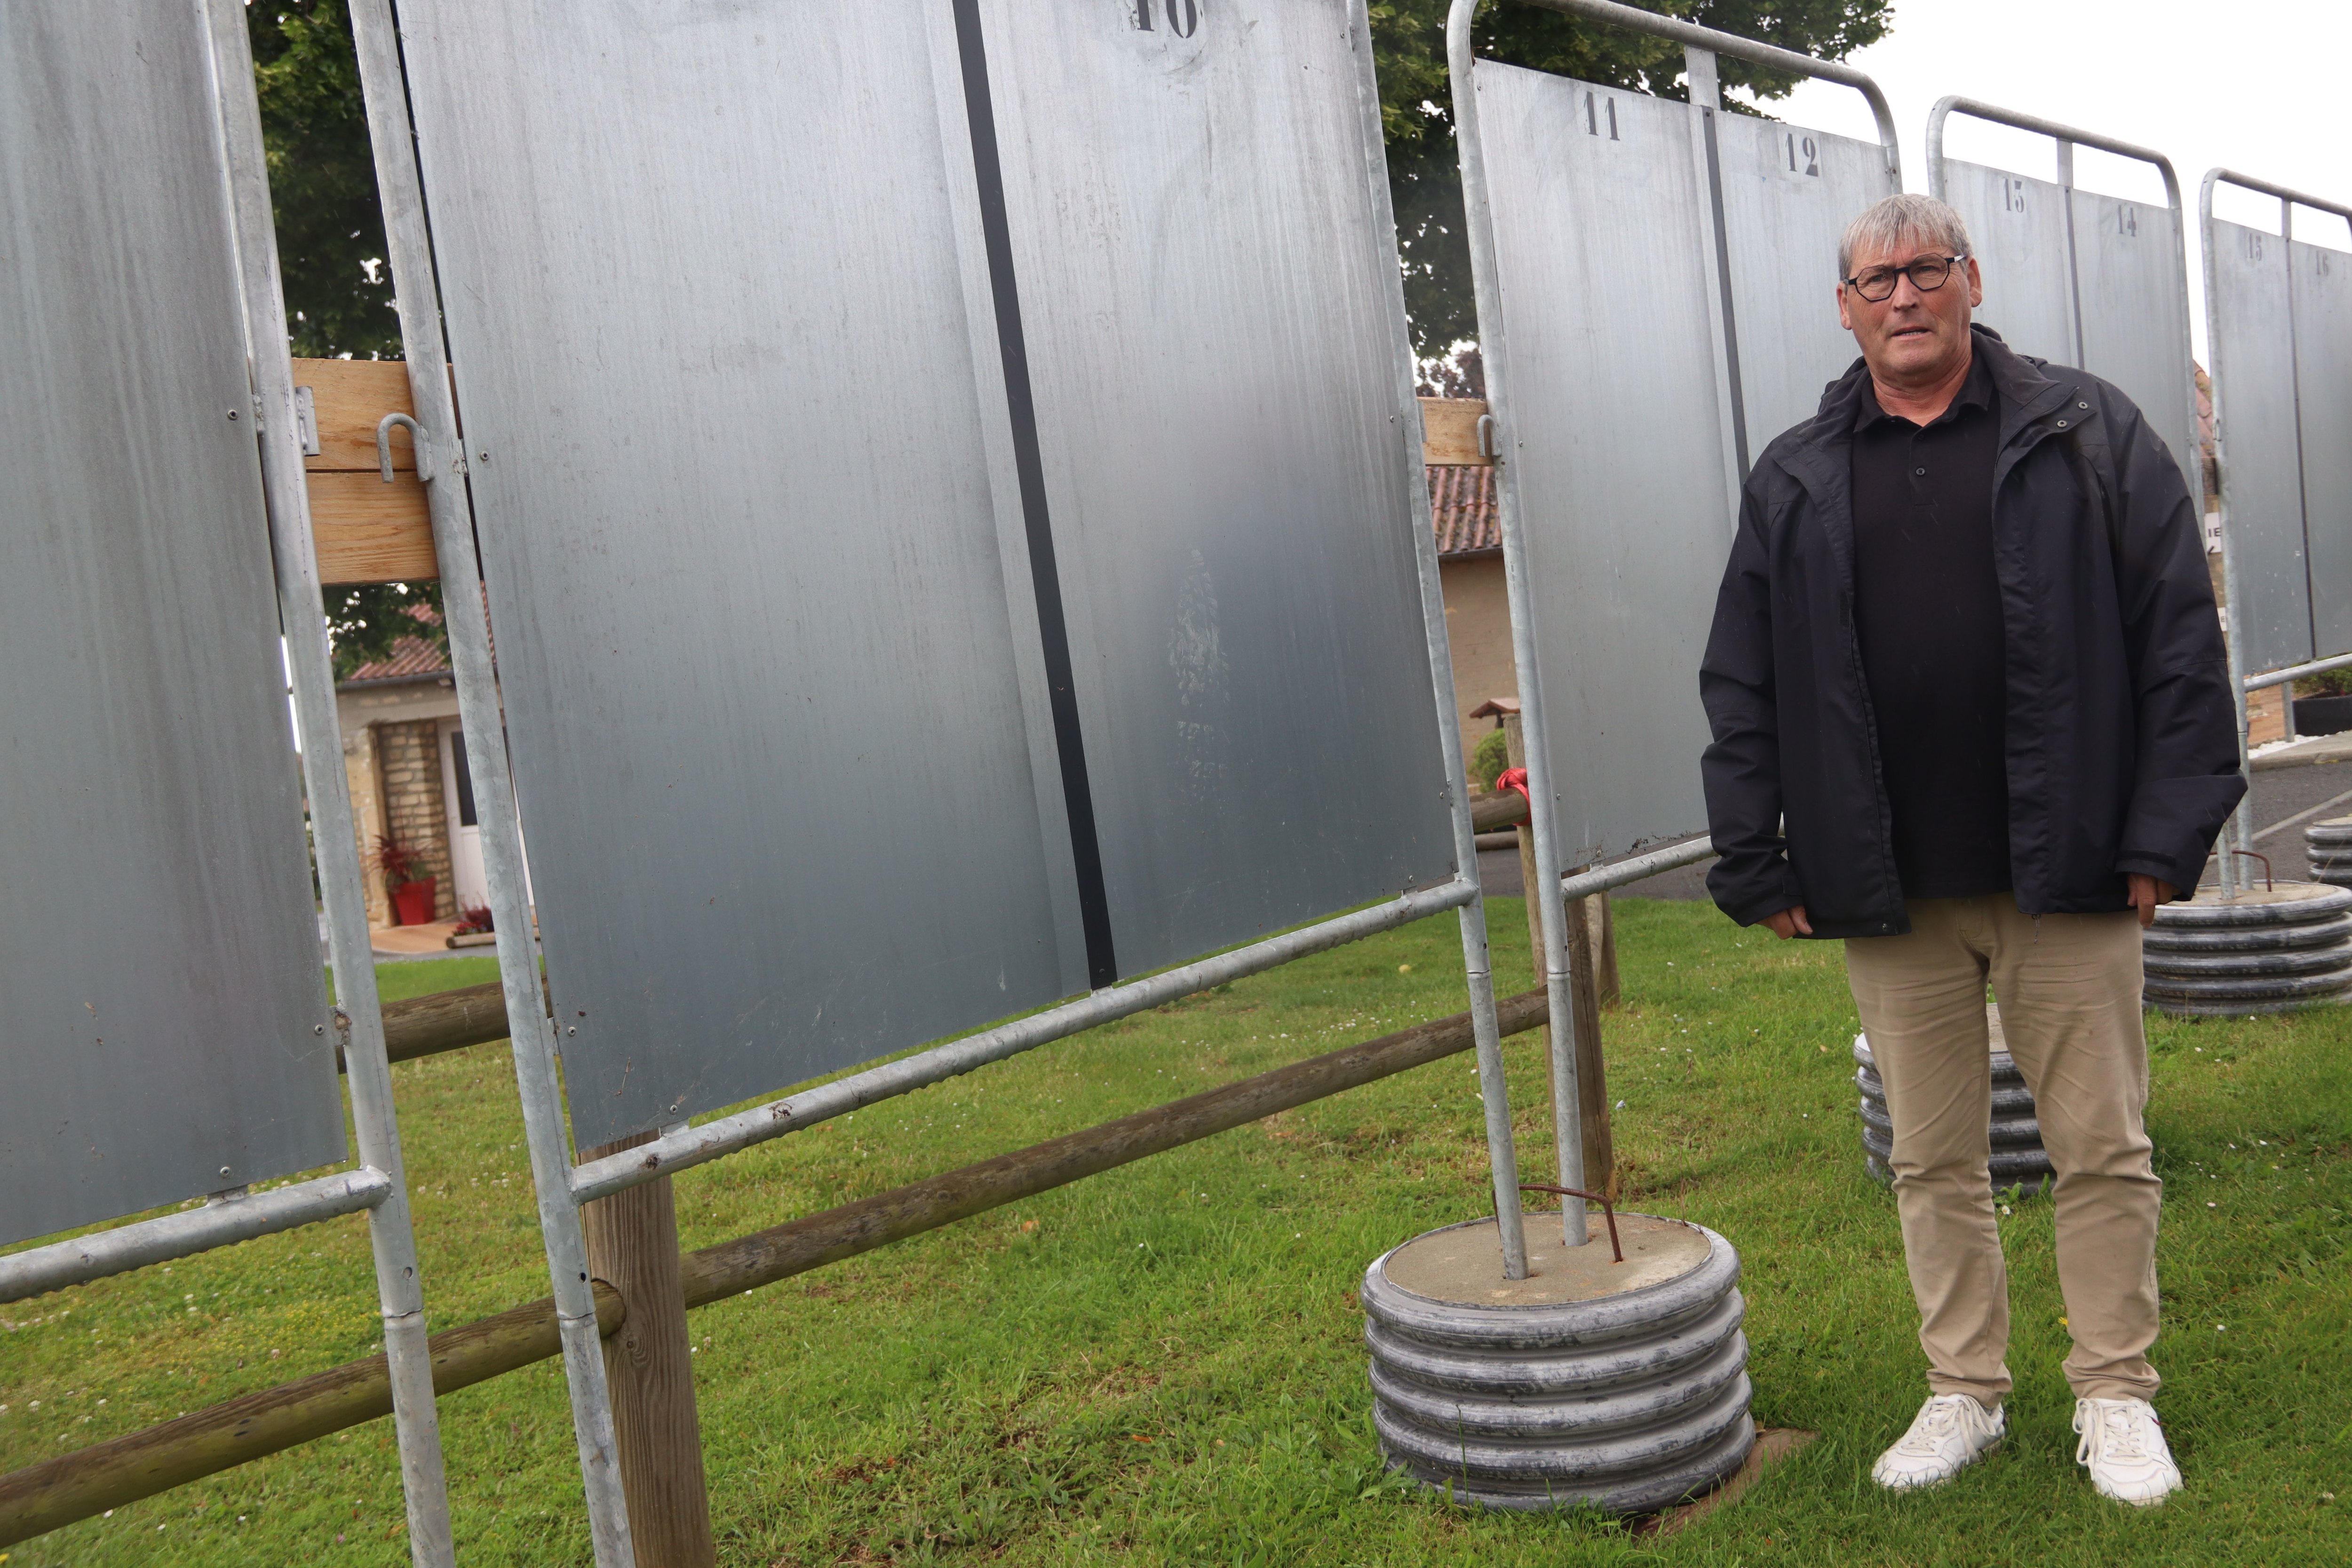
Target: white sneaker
1951,1432
2123,1447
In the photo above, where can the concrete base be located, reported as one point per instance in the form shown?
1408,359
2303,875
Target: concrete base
1466,1264
1593,1383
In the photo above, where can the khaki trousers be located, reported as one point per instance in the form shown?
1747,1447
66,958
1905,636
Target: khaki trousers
2068,987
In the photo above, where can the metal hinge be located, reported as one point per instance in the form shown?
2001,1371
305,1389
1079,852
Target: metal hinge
306,420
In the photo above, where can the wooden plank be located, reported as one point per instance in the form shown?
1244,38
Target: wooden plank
1449,431
350,396
370,531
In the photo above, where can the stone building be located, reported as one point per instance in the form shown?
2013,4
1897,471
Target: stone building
406,758
1477,605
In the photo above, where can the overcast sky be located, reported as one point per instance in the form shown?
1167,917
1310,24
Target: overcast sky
2256,86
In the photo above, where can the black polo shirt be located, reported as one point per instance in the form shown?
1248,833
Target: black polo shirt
1927,610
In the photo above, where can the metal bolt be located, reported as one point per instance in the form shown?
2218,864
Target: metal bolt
317,1028
572,1028
484,456
232,412
223,1170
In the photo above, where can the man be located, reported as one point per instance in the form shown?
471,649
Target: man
1965,658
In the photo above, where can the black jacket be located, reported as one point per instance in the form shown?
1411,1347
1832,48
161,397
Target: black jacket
2122,745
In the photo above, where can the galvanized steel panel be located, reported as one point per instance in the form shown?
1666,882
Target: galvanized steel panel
2135,335
1215,337
1615,431
2018,227
159,977
1788,194
762,694
2323,348
2253,379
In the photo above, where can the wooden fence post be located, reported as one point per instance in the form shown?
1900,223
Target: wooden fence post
1591,1072
1515,752
648,1365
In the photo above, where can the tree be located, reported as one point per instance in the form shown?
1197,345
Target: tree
1417,113
322,180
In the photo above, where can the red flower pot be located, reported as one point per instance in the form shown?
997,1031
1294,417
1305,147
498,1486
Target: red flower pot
412,903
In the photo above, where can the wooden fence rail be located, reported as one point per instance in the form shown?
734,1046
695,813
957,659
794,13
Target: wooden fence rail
58,1491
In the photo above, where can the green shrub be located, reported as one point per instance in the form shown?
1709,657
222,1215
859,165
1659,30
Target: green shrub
1487,762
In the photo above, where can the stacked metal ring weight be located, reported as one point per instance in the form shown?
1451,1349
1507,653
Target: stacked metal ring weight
1624,1400
2271,949
2018,1157
2329,846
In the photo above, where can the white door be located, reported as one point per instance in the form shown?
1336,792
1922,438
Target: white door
473,891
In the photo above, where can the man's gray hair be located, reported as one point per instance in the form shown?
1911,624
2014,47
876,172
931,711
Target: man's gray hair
1887,223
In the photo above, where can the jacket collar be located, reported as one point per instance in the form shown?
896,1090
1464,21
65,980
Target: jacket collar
1817,459
1820,459
2028,397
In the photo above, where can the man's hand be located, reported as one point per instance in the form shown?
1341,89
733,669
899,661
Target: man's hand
2146,892
1792,921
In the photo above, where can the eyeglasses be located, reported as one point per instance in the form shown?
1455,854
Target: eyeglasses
1876,284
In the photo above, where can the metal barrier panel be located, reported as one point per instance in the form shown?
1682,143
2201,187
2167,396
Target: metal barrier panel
2322,285
1207,284
2135,335
1616,432
765,700
2254,371
2018,227
160,974
1788,194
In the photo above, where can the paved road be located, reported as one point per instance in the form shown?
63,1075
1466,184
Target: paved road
2281,797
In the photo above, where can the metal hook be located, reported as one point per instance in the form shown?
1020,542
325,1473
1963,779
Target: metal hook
424,449
2268,885
1486,442
1608,1210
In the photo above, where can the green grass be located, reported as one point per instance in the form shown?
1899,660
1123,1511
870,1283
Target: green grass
1162,1364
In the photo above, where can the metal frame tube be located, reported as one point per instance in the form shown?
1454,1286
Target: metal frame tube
1692,35
2057,131
2069,137
1568,1132
1616,874
400,1294
1493,1093
224,1221
680,1151
409,253
2240,831
1494,342
2295,672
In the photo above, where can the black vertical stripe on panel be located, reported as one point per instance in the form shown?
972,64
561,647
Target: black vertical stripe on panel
2073,272
1723,282
1053,629
2301,484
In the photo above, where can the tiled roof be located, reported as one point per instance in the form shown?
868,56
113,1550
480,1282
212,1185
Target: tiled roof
1462,505
411,659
